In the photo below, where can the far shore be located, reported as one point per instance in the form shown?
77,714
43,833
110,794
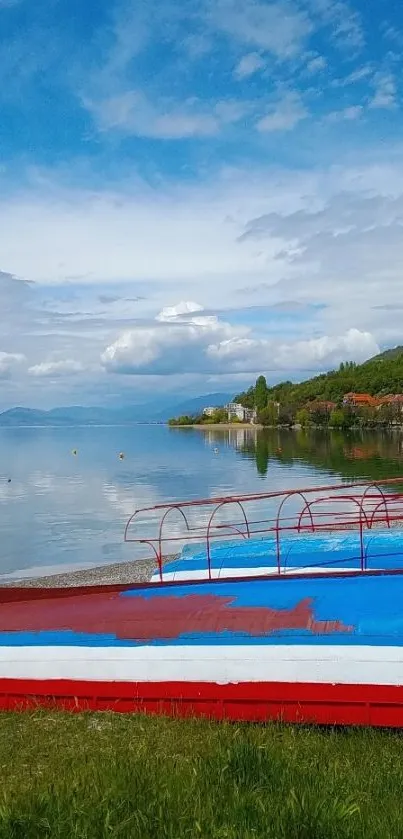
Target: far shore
230,426
220,426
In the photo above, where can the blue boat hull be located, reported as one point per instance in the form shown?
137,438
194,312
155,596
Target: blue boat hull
307,647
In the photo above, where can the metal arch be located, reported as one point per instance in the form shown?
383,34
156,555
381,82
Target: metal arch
360,492
384,502
157,556
353,499
131,519
177,508
335,498
381,503
277,526
216,509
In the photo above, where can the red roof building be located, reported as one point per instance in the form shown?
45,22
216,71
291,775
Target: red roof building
361,400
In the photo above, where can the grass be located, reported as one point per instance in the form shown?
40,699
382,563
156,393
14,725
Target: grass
93,776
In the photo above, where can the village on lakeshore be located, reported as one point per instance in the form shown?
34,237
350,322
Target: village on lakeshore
332,400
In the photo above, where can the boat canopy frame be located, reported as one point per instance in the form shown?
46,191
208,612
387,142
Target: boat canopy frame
360,506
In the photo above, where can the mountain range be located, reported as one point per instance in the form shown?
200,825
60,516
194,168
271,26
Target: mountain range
126,415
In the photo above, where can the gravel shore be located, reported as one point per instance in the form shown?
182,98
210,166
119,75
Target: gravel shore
137,571
123,573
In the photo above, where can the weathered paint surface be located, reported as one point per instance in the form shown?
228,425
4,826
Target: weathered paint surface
324,649
313,648
360,610
310,551
138,618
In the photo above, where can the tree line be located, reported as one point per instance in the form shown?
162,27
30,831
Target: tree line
304,403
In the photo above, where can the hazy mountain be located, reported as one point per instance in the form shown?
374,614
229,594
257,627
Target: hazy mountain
68,416
79,415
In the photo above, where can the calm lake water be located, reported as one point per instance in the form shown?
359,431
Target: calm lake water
63,511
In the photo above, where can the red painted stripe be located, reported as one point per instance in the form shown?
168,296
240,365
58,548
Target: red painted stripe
376,705
13,594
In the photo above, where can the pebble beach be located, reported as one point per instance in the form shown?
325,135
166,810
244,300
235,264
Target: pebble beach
137,571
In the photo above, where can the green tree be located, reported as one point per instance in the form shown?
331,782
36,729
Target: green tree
219,415
302,417
337,418
320,416
183,420
268,416
342,418
286,415
261,393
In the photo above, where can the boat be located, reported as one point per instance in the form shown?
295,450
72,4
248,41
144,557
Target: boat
278,606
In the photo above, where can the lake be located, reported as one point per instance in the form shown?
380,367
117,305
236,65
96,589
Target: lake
65,495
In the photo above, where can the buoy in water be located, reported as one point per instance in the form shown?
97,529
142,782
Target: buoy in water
74,452
9,481
216,451
121,456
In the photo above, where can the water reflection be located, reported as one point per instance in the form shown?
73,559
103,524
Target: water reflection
62,510
356,455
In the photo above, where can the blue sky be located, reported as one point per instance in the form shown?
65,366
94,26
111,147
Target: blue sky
195,192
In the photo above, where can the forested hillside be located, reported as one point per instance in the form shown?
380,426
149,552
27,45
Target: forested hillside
379,376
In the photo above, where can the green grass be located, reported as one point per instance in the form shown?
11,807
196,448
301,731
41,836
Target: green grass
92,776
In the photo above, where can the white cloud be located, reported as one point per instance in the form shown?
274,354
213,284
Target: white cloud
315,65
358,75
279,28
65,367
134,113
175,312
385,91
8,363
133,233
285,115
205,344
166,347
331,237
349,114
315,354
248,65
343,21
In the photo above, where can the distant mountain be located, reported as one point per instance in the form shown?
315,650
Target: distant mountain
194,406
67,416
127,415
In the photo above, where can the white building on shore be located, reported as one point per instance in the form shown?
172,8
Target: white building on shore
237,411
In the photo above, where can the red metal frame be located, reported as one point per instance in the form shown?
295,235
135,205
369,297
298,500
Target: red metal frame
376,503
233,527
293,702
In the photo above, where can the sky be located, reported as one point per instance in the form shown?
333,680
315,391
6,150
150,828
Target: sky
194,193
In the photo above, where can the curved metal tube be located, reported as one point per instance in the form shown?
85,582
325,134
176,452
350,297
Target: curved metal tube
384,502
278,517
223,504
178,509
350,498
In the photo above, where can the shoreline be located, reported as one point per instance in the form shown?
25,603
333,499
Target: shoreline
120,573
229,426
221,426
123,573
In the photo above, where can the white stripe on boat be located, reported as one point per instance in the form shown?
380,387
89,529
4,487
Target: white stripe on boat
264,570
315,663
